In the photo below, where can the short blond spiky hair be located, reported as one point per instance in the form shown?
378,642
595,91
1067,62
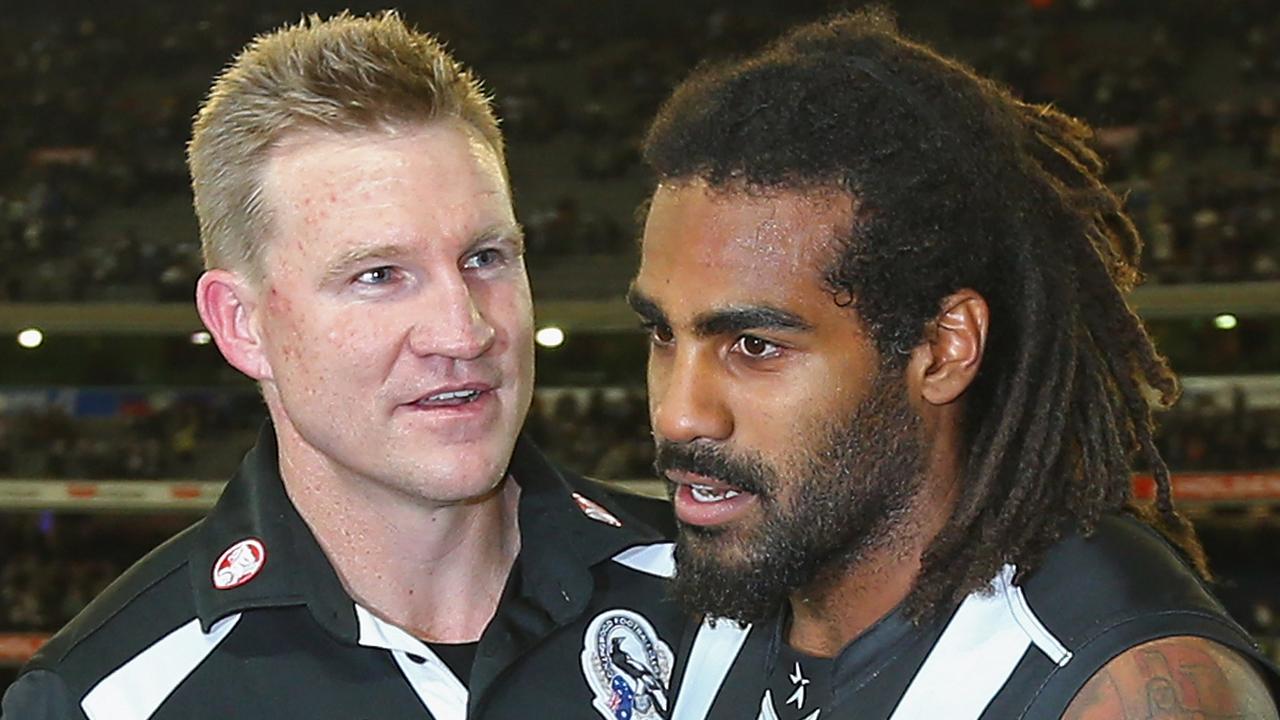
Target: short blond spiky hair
344,74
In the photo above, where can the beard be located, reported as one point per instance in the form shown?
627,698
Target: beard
847,490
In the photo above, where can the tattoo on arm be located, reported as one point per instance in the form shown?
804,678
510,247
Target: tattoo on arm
1179,678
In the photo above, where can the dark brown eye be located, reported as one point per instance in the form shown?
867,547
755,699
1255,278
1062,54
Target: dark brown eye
755,347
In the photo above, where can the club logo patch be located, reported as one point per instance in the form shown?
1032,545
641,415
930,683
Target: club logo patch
239,564
627,666
595,511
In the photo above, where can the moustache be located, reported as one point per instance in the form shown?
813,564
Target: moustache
741,474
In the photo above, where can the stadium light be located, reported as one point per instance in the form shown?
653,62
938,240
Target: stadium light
30,338
549,337
1225,321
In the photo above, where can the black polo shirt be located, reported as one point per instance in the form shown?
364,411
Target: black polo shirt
242,616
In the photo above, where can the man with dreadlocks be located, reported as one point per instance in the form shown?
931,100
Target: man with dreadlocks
897,390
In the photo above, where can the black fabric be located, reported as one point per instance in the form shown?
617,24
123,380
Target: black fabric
1122,586
294,649
1100,595
799,684
458,656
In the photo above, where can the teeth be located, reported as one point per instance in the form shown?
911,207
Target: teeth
453,395
705,494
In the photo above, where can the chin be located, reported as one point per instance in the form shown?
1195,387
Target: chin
472,479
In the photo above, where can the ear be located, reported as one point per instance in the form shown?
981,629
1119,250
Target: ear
948,360
226,302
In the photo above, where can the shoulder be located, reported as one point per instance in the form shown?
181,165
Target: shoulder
37,695
1125,581
1175,677
145,601
1119,548
1113,596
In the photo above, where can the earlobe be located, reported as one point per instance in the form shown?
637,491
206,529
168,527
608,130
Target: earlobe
952,353
226,302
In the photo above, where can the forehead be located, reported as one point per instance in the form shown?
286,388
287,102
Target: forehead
740,245
433,181
314,160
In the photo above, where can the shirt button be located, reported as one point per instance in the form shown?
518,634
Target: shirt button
417,658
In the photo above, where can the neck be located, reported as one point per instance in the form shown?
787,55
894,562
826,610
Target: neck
830,614
437,571
835,610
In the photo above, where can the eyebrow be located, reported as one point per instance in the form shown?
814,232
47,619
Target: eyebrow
354,257
733,320
645,307
513,233
726,321
393,251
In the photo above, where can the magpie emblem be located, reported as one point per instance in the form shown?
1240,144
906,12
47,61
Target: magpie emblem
627,666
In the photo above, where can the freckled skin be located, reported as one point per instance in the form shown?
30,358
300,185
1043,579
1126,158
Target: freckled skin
346,354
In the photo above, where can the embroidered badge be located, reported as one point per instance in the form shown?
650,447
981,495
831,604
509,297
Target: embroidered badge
627,666
239,564
595,511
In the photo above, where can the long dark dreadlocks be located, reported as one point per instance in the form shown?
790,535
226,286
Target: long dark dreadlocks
957,184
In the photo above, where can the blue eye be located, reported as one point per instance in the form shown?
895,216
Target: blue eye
483,259
376,276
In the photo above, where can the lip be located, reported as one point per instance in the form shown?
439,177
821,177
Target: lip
682,477
480,387
484,407
692,512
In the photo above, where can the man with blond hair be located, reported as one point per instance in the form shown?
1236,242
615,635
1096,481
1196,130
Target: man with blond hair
390,548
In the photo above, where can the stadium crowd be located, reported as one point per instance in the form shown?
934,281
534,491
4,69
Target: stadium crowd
94,206
201,434
93,199
602,432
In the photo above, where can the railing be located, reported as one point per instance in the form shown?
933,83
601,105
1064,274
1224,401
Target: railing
1198,489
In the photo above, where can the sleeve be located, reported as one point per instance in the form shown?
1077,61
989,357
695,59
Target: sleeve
39,695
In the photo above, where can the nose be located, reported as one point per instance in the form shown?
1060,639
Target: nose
686,399
450,323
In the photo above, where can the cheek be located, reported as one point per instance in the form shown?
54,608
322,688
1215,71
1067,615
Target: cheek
655,379
508,307
772,420
285,329
353,334
782,415
317,340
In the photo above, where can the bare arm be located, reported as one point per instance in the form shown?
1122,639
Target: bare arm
1178,678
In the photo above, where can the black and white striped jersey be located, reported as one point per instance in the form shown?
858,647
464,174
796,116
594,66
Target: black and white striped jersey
242,616
1020,650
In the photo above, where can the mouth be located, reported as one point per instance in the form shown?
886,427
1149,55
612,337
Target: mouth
708,494
452,396
700,500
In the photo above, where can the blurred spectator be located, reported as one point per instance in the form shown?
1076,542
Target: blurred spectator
599,431
93,199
